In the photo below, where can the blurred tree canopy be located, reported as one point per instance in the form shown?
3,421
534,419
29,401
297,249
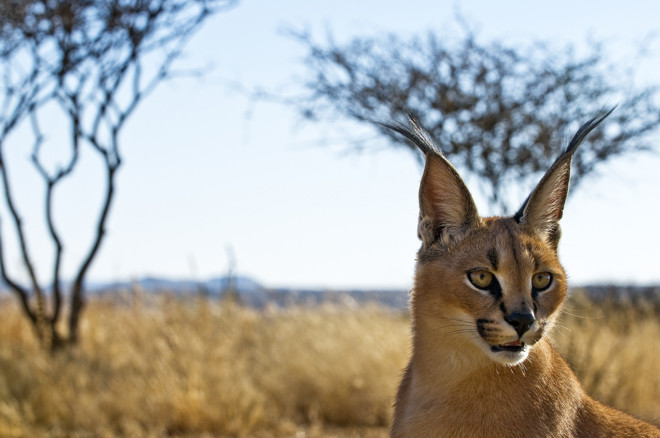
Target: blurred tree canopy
499,111
91,62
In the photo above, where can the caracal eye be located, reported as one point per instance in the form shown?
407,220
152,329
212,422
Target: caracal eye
480,278
541,281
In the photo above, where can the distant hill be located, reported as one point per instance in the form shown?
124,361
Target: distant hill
212,287
252,293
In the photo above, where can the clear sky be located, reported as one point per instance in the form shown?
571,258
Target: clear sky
199,175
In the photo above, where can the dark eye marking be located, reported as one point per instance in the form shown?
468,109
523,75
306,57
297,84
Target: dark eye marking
496,290
492,258
514,238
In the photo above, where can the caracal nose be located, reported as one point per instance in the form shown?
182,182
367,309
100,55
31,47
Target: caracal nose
520,321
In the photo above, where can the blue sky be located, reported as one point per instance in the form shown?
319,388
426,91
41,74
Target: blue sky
199,175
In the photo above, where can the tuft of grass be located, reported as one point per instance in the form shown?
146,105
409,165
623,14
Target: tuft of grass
155,367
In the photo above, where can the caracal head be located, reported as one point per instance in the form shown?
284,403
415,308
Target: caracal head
488,286
499,289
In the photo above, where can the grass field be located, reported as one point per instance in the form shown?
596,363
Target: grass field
156,367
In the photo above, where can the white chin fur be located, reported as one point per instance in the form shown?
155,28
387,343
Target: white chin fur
509,358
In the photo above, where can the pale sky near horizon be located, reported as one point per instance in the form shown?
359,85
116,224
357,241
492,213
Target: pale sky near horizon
198,174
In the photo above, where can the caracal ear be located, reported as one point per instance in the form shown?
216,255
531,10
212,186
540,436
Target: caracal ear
545,205
446,208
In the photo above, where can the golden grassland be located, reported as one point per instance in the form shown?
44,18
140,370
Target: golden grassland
156,367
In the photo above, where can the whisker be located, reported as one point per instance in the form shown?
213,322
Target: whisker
455,332
581,312
452,326
563,327
436,316
583,316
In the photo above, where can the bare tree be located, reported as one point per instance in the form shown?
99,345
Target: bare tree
93,61
498,111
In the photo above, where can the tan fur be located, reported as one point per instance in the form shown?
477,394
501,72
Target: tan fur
460,381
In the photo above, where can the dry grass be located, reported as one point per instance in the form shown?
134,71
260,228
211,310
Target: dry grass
613,345
191,368
199,368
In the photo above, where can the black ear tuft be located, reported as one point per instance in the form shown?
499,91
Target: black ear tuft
584,130
416,134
